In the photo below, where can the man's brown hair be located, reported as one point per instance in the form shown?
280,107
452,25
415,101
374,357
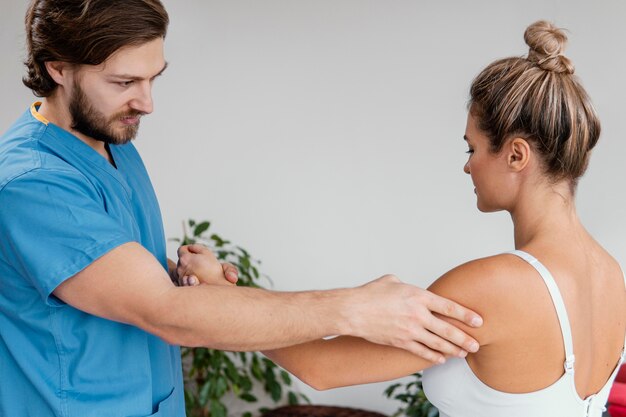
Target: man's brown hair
85,32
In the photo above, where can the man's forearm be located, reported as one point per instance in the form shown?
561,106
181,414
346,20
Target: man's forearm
128,285
242,319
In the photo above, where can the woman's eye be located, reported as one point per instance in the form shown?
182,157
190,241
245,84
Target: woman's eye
125,83
469,151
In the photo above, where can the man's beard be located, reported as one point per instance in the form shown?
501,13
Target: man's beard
91,122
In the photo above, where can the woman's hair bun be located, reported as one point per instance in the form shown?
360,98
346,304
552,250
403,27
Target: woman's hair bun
547,43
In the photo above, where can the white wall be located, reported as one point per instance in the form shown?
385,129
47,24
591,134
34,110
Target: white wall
326,136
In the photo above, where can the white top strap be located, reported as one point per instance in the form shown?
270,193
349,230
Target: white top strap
559,306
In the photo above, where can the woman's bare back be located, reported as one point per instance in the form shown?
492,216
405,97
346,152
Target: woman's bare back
522,348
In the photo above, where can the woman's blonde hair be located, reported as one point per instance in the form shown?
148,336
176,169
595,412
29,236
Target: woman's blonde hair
540,99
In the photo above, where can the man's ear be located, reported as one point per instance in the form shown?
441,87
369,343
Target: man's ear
518,154
59,71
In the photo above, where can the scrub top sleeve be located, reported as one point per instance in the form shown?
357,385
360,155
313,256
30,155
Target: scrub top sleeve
54,224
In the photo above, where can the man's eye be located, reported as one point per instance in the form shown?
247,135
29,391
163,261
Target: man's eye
125,83
470,151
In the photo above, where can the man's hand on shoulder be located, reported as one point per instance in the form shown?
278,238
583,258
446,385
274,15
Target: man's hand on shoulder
389,312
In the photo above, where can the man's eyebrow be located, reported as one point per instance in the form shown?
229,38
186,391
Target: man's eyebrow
162,69
136,78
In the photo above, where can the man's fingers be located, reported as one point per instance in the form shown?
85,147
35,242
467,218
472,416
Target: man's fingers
423,351
182,250
448,331
190,281
447,339
182,274
230,272
197,248
193,248
453,310
389,278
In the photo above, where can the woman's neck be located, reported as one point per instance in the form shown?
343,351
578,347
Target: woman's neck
545,211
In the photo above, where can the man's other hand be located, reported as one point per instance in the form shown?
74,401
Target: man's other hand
198,265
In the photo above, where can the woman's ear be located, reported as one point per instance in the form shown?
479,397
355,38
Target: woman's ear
518,154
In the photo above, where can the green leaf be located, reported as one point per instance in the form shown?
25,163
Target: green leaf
244,253
220,387
203,396
191,223
246,383
217,409
268,363
201,228
190,398
246,396
245,263
305,398
292,398
412,411
219,242
247,414
276,391
256,370
404,397
216,359
390,389
285,377
231,372
433,412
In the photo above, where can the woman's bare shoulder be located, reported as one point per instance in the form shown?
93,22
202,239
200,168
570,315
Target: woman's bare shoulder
496,287
484,276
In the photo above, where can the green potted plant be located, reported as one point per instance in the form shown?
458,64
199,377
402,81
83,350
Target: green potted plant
412,397
210,374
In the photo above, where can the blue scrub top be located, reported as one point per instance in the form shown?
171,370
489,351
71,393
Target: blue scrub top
62,206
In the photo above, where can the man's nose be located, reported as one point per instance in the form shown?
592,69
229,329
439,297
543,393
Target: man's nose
142,102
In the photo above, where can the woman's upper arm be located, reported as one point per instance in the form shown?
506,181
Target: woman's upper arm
345,360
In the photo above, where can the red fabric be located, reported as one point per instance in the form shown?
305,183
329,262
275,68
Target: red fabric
621,374
617,397
617,411
618,394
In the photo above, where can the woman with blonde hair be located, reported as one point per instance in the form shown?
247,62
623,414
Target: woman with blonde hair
554,309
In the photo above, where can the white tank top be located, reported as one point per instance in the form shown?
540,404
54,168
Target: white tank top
457,392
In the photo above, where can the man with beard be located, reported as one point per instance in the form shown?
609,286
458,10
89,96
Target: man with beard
89,318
